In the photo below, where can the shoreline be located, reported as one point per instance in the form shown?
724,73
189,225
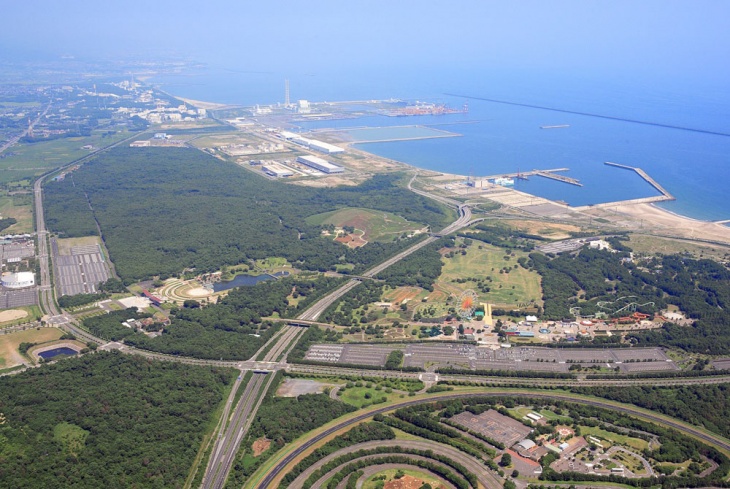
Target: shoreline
684,227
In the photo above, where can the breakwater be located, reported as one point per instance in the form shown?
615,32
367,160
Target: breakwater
590,114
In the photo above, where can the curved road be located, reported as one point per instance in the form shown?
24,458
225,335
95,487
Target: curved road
473,466
714,440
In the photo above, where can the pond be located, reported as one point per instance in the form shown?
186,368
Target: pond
48,354
246,281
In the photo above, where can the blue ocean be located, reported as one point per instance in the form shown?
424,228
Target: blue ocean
500,138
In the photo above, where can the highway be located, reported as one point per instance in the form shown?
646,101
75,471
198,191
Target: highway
279,468
17,138
227,445
237,419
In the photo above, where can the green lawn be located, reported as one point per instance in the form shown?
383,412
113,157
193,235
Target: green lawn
33,159
482,261
377,225
615,438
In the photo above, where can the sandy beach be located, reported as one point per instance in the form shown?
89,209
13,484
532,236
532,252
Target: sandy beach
665,222
203,105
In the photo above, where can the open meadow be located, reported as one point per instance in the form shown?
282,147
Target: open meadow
484,262
376,225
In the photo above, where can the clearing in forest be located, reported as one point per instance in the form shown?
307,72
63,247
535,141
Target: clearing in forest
548,230
483,261
376,225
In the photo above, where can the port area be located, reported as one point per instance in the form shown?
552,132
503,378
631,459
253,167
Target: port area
665,195
551,174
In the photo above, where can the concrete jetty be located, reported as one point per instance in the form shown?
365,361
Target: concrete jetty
559,178
666,195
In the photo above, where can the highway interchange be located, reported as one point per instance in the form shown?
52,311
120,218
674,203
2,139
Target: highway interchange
236,420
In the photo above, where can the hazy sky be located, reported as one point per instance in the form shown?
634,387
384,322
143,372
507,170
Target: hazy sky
654,37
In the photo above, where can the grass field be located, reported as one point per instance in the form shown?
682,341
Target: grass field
24,161
523,411
18,207
363,396
549,230
9,343
223,139
28,160
652,245
482,261
377,225
615,438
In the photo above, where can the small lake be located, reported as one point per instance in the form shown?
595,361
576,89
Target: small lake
48,354
246,281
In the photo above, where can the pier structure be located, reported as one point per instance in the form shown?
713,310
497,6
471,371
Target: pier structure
522,175
559,178
665,194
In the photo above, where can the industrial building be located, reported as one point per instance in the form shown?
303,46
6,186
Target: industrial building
324,147
319,164
314,144
277,171
18,280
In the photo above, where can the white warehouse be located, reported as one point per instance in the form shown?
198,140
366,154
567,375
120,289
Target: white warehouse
319,164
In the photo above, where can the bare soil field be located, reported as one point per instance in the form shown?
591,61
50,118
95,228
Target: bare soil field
12,315
65,244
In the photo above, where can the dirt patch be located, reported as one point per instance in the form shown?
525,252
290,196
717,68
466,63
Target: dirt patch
351,240
197,292
346,239
438,296
12,315
357,241
405,482
547,230
297,387
403,294
260,446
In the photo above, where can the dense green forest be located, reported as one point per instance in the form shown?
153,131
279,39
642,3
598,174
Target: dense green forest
7,222
106,420
701,405
232,329
419,269
165,209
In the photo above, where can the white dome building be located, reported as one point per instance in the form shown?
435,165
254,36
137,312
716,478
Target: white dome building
18,280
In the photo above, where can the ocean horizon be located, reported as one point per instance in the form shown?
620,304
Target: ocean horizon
502,138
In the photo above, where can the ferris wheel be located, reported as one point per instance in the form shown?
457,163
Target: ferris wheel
467,304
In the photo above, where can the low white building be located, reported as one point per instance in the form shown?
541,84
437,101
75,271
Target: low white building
18,280
319,164
277,171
